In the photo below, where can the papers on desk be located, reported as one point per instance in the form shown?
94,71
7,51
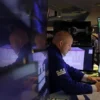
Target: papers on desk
95,67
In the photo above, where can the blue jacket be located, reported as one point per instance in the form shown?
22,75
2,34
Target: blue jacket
63,77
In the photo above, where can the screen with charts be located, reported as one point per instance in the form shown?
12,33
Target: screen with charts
7,56
80,58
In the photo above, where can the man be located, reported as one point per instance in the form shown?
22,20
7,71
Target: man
94,38
40,41
61,75
20,44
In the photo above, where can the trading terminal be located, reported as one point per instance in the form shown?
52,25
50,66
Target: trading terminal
27,80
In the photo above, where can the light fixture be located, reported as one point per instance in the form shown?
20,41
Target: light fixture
98,4
59,16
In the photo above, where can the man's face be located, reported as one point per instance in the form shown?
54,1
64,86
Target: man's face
65,46
15,43
40,43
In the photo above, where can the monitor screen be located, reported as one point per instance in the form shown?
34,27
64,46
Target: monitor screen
80,58
7,56
41,57
99,24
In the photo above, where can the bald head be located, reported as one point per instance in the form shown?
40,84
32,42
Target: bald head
62,36
63,40
18,39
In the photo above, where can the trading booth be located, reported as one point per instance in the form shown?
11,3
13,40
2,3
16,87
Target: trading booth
81,56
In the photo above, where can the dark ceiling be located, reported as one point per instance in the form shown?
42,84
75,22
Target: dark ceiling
72,9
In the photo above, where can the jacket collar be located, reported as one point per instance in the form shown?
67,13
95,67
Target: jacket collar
56,48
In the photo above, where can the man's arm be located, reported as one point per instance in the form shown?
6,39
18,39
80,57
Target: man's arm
76,74
67,84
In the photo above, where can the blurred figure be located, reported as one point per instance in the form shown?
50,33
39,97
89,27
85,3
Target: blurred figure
40,41
95,43
63,77
20,43
94,38
22,47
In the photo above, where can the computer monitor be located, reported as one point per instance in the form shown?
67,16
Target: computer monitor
24,82
7,56
99,24
42,58
80,58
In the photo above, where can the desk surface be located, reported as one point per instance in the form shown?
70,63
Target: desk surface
59,95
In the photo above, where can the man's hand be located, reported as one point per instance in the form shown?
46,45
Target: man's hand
30,81
93,79
98,86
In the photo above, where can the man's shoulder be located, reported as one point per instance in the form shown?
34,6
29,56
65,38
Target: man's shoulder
52,49
53,52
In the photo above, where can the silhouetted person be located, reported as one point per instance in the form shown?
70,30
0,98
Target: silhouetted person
40,41
22,47
20,43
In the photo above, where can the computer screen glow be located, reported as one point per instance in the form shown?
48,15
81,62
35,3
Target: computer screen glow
80,58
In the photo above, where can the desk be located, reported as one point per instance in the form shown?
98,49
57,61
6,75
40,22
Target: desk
95,74
60,96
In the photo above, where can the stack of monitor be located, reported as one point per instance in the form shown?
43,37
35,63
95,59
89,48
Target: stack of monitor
24,82
41,58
